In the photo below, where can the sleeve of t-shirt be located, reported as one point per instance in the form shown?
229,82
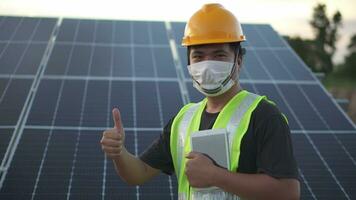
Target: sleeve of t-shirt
275,155
158,154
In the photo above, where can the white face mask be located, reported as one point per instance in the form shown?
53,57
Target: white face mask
211,77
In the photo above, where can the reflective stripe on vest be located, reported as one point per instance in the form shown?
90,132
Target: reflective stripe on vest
183,129
235,117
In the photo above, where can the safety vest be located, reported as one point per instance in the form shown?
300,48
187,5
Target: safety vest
234,117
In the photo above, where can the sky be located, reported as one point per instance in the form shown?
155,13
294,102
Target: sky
288,17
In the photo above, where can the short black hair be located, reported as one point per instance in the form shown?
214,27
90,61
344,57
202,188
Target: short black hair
236,47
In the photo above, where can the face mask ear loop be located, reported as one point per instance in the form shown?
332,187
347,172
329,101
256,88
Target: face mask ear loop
188,55
233,68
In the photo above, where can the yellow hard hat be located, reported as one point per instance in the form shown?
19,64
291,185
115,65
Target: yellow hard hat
212,24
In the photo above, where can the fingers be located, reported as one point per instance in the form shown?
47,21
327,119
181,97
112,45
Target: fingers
112,134
113,155
117,118
192,155
112,143
112,150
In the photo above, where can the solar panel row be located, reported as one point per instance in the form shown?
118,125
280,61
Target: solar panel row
98,64
86,173
66,97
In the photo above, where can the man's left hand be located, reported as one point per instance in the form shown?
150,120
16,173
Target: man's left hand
199,170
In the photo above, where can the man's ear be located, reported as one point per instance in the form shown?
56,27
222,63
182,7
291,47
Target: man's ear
240,56
239,60
239,63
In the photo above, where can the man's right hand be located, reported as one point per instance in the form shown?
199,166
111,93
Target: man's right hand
113,140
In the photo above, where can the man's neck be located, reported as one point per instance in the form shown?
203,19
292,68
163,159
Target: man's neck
216,104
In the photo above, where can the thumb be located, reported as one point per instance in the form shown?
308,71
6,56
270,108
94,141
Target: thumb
117,119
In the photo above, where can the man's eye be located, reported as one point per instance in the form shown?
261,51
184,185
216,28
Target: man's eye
221,55
197,56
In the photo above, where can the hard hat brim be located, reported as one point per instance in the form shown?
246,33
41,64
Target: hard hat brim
191,42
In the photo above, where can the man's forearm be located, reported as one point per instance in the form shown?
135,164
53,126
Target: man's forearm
256,186
131,169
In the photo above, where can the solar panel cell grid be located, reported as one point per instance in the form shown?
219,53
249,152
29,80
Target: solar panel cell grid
140,32
339,159
144,65
254,39
86,31
80,60
104,32
44,29
2,46
123,32
5,136
68,30
272,64
43,108
122,97
98,64
29,62
26,28
22,173
177,29
299,102
59,59
333,119
171,100
293,65
158,33
96,109
21,58
69,103
322,169
163,59
122,62
12,99
274,40
146,98
8,27
253,68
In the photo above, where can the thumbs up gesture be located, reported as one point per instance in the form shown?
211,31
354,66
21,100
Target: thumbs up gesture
113,139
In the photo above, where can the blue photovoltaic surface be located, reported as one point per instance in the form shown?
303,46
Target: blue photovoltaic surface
49,135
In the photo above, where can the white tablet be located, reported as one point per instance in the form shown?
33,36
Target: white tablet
214,143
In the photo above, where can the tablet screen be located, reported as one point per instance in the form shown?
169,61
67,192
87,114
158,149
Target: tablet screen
214,143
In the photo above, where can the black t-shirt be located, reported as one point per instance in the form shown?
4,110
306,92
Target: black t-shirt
265,148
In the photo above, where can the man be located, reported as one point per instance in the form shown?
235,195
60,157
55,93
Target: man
262,165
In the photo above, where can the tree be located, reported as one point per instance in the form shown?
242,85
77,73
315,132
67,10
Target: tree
352,45
350,59
326,36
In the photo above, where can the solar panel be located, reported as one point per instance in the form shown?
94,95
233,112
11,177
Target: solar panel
13,93
60,78
5,137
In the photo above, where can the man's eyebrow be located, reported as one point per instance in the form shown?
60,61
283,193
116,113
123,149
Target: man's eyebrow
220,51
197,51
